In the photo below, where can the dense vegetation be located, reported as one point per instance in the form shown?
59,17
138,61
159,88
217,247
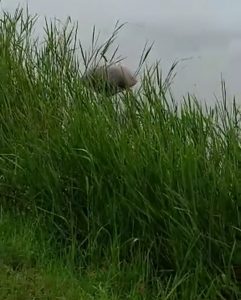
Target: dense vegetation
141,202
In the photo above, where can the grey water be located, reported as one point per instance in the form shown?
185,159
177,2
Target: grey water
206,34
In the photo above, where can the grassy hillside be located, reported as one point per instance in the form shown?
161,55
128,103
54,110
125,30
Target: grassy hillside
100,203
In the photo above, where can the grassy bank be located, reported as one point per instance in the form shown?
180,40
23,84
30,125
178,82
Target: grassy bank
142,203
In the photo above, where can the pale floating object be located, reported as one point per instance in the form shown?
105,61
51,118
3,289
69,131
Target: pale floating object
110,79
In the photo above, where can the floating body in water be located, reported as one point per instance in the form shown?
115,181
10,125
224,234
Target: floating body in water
110,79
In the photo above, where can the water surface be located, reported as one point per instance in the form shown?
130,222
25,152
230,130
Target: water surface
208,31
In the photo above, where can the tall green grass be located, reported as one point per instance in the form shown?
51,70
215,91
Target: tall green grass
154,185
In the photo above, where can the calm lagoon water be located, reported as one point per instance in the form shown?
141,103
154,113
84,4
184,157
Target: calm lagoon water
207,32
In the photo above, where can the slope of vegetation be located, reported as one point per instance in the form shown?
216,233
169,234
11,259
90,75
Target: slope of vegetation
100,203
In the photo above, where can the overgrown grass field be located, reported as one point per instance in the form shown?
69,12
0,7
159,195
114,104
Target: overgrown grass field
96,202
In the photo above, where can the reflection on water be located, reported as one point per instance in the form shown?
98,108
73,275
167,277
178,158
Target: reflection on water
207,31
